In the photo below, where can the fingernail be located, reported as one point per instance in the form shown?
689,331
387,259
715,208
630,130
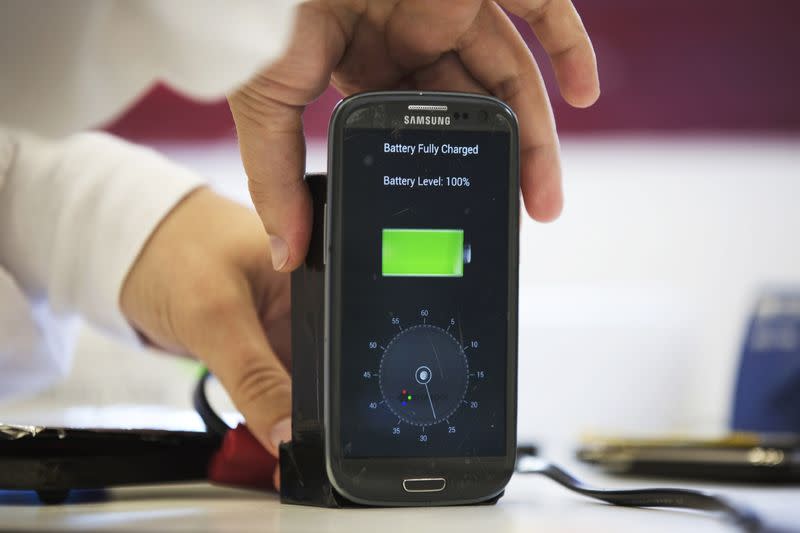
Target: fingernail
280,251
281,432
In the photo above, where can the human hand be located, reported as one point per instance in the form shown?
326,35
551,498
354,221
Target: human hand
204,286
360,45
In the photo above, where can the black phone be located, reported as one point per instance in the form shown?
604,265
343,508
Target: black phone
422,243
738,457
55,460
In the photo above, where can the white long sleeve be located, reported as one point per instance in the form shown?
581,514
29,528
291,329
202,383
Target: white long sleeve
67,66
75,212
74,215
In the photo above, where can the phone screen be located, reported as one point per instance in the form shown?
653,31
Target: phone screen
425,277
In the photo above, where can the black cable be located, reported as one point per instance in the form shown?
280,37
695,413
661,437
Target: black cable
697,500
214,423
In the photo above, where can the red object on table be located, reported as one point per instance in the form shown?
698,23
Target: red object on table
242,461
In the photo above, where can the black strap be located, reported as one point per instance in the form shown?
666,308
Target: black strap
213,422
698,500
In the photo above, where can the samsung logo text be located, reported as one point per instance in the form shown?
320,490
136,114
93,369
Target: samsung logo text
426,120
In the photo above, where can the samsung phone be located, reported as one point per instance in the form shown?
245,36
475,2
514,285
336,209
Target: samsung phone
421,302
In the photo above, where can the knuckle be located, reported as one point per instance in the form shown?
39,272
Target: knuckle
508,88
216,305
260,381
280,187
536,14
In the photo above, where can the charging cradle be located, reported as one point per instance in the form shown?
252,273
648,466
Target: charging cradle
304,479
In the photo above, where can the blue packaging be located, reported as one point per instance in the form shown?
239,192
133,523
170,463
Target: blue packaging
767,398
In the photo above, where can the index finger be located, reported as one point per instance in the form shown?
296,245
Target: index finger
227,335
559,28
494,52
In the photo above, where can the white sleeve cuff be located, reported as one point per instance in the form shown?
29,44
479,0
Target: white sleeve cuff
127,209
78,213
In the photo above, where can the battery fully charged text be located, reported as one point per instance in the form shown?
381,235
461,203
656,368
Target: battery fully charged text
430,149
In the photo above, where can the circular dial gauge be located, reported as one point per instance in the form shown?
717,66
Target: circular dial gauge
423,375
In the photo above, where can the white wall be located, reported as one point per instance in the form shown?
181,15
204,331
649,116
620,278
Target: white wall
636,299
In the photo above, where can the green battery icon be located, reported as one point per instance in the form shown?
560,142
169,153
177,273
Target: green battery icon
424,252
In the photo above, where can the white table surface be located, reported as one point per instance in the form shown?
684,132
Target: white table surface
531,503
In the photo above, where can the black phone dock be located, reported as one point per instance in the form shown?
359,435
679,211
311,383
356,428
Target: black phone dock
304,479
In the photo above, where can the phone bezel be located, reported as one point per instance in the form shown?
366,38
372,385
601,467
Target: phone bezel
378,480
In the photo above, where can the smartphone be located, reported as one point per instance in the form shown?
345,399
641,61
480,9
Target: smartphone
422,266
737,457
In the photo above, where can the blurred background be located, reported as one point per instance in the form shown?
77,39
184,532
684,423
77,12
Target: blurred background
682,204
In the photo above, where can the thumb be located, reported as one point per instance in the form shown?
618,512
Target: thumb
229,338
268,112
273,155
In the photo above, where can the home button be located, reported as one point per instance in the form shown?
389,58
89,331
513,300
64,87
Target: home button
424,484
